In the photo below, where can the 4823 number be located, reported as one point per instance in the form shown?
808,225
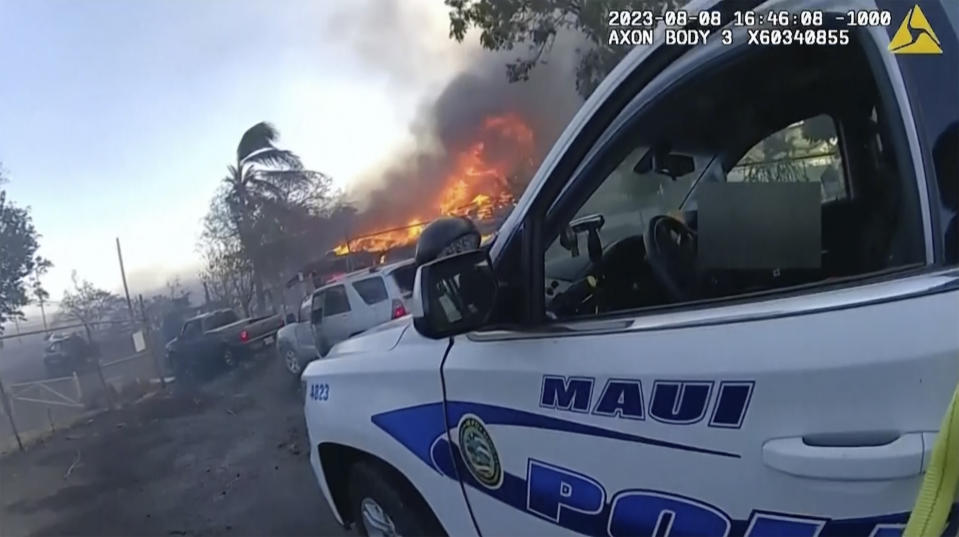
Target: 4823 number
319,392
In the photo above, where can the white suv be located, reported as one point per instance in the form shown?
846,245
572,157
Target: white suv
360,300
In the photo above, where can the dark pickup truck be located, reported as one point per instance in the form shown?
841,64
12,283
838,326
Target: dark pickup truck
219,338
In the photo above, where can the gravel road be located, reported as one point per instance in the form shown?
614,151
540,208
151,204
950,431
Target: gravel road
227,458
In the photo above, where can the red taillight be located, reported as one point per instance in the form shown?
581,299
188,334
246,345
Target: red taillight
399,309
244,336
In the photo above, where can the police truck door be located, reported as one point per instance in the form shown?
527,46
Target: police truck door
658,398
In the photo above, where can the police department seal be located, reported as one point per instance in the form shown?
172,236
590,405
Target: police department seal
479,452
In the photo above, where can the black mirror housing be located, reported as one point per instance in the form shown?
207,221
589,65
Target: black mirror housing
675,165
445,236
316,317
662,160
588,223
290,318
456,294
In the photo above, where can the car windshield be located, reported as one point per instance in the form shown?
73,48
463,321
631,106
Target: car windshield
633,193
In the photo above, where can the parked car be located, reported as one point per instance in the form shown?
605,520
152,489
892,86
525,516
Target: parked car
219,338
65,354
357,302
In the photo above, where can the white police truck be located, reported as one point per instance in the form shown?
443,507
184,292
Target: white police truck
726,304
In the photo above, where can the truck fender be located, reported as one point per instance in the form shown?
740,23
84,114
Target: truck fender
337,460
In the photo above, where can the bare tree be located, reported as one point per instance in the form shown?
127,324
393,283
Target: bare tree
40,295
175,289
229,278
228,273
89,305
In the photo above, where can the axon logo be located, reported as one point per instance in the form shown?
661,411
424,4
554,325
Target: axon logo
915,35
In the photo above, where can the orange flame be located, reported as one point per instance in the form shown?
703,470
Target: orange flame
477,187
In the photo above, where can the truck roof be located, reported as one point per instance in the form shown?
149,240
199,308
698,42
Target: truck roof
386,269
205,315
363,273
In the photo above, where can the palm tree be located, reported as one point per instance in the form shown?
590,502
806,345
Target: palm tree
265,185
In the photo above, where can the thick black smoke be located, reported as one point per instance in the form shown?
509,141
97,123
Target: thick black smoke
409,181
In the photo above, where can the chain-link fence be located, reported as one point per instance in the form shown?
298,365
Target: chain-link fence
121,368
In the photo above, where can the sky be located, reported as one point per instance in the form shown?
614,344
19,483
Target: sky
118,118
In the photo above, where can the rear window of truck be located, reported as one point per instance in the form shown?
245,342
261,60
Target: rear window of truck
404,276
219,319
371,290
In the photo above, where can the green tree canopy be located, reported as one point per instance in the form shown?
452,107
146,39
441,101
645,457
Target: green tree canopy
18,246
534,24
40,267
266,194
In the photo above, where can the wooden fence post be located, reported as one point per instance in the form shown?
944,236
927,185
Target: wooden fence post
103,381
76,384
148,341
9,411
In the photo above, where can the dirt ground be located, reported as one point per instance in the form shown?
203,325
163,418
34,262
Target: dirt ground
227,458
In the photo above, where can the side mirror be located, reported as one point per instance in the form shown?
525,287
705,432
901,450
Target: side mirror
316,317
290,318
569,240
591,224
454,294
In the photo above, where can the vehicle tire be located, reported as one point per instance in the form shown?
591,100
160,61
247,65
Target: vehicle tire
324,348
383,504
181,370
231,357
291,361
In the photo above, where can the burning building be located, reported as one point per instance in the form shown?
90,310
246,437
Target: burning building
482,182
479,142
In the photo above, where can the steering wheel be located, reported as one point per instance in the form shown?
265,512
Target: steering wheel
609,284
671,254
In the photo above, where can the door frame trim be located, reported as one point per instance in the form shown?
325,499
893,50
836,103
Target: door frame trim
773,307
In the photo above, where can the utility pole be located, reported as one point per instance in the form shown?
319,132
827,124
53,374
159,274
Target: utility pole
148,339
103,380
349,253
123,275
